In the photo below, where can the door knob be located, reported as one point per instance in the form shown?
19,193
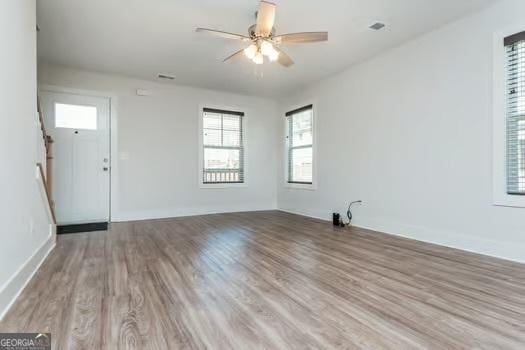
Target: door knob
105,168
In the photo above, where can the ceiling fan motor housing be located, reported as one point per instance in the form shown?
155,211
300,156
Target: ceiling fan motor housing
253,35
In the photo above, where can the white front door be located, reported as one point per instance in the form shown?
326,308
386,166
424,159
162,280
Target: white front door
79,126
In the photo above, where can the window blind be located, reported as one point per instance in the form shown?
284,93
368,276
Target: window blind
223,150
300,145
515,53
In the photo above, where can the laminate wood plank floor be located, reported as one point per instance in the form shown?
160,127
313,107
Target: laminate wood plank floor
268,280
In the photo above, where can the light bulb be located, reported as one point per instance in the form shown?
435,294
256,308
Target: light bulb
274,55
250,51
258,58
267,48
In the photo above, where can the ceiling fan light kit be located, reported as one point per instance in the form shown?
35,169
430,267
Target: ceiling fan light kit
250,51
261,48
258,59
263,41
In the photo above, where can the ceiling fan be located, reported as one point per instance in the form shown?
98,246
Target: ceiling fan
262,38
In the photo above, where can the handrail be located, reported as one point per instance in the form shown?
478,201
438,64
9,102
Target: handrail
45,135
45,174
48,196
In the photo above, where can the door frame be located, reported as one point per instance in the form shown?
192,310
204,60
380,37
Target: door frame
113,135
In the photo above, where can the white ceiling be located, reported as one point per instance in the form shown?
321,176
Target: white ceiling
141,38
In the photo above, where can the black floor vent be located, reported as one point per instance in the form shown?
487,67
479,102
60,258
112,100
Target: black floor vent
94,226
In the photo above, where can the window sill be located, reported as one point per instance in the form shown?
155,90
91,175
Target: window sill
508,200
222,186
299,186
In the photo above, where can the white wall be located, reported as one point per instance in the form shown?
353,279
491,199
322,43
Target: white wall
409,133
156,167
25,237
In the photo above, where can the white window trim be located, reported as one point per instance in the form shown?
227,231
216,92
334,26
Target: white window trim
296,186
200,157
499,129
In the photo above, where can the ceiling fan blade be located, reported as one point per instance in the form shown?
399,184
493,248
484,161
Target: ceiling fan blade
221,34
235,57
284,59
299,38
265,18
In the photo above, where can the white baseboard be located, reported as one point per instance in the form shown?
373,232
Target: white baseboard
16,284
502,250
479,245
304,214
177,212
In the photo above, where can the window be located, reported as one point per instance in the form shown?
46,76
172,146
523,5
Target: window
223,151
515,113
300,145
75,116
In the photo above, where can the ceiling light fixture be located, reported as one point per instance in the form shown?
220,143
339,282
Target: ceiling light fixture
261,48
274,56
266,48
259,58
250,51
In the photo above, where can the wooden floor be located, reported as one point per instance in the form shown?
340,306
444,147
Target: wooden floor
268,280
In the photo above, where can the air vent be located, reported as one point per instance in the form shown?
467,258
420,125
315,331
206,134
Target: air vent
377,26
166,77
